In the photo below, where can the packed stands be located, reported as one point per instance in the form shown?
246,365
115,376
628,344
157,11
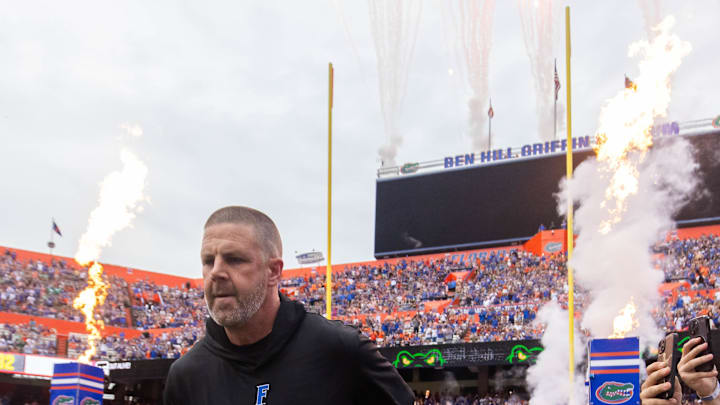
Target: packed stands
48,289
166,307
438,300
696,260
470,399
170,344
692,265
497,297
31,338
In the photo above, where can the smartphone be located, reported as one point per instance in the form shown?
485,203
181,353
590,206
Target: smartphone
700,327
668,353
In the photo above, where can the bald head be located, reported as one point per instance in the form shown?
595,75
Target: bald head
265,230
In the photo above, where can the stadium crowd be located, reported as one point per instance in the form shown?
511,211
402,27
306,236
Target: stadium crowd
30,338
501,277
169,344
48,289
497,297
696,260
470,399
695,265
165,307
411,302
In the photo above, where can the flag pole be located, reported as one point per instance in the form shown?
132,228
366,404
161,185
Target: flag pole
490,128
52,242
569,231
555,134
328,270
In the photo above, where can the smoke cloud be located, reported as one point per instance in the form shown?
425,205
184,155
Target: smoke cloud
120,195
549,377
617,266
627,195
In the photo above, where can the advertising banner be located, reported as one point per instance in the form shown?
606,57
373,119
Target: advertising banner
76,384
464,354
614,371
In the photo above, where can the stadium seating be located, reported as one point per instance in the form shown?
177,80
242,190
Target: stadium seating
442,398
399,302
27,338
47,289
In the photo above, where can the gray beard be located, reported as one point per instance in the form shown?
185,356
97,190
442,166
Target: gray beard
245,309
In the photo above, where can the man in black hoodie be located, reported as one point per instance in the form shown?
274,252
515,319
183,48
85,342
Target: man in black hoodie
260,347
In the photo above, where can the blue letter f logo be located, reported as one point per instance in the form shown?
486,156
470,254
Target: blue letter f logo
262,392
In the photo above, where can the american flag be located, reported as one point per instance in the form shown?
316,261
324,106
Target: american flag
557,82
56,228
629,84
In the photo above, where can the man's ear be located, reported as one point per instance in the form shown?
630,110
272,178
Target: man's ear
275,264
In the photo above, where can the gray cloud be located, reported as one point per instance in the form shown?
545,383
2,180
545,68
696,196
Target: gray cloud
232,100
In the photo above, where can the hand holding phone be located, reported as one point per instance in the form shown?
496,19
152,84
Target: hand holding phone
668,354
700,327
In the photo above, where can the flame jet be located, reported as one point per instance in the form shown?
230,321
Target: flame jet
629,192
627,197
121,193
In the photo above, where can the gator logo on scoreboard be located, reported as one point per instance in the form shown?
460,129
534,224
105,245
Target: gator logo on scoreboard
613,392
409,168
432,358
552,247
63,400
89,401
522,354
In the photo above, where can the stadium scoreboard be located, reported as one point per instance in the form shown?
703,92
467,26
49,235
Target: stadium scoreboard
505,202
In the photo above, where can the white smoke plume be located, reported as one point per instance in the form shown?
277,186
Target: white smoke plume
549,377
628,194
617,267
121,193
471,21
133,130
652,14
394,26
538,18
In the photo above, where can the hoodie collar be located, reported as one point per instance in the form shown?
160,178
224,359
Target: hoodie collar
288,319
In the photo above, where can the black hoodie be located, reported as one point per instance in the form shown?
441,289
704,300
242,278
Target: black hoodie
306,359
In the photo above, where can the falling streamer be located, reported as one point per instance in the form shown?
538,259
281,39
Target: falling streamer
537,19
471,21
394,26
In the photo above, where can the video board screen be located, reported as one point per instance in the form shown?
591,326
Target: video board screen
500,203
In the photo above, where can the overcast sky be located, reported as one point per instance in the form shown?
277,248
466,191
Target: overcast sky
232,98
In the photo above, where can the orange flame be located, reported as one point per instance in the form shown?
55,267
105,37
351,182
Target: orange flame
626,119
120,195
625,322
89,298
